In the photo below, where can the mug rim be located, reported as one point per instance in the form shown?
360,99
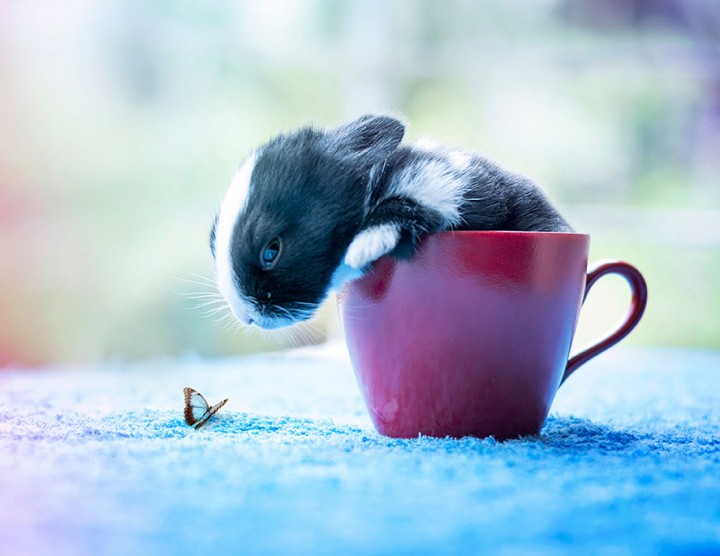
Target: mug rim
506,233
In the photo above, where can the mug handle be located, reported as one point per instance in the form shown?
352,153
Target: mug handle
638,288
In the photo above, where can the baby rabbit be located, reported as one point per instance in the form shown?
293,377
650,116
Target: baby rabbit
310,210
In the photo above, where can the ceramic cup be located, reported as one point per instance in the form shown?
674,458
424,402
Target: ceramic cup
471,337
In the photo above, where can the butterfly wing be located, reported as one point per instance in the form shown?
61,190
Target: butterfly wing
196,406
209,413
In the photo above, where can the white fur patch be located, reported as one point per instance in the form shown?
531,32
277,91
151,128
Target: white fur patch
460,160
371,244
230,210
430,145
435,184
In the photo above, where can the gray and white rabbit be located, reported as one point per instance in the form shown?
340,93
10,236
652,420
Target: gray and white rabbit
310,210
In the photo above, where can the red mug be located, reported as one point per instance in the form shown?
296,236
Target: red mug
471,337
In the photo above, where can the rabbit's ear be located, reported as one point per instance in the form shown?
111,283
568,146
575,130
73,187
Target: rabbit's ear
370,138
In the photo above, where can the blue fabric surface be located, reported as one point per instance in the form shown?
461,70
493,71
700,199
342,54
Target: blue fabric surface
102,463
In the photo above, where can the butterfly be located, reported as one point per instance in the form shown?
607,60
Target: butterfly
197,410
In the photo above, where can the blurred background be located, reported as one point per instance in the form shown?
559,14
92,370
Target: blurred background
121,123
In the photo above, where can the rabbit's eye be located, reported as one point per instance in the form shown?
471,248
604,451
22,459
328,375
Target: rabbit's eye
270,253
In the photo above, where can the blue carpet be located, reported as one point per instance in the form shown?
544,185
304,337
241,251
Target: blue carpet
99,461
